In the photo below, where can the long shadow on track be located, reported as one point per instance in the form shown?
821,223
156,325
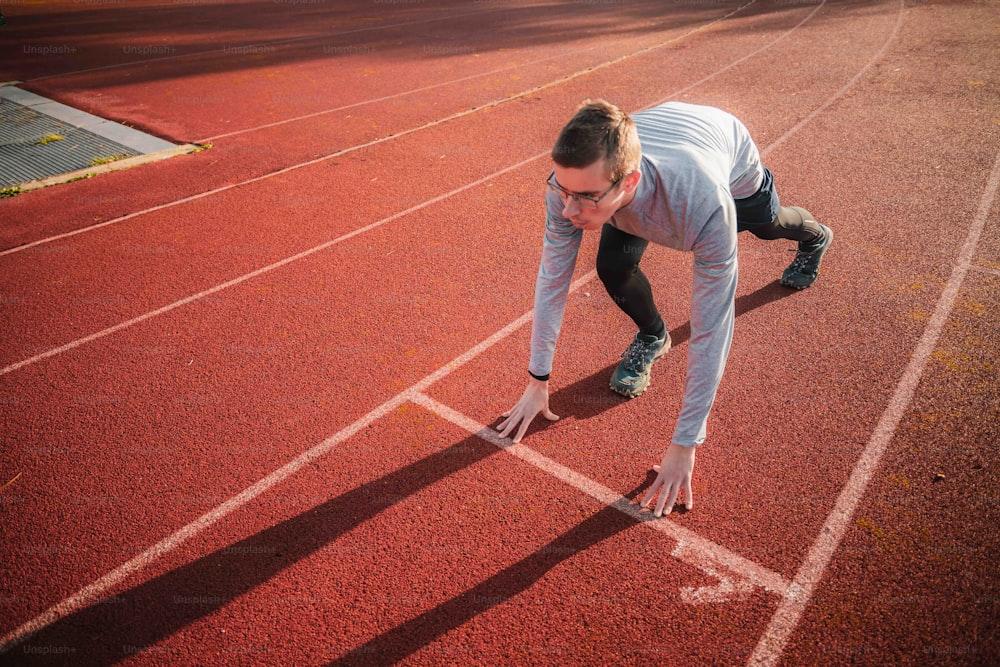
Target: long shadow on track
156,609
407,638
127,623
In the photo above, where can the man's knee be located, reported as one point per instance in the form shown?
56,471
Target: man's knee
767,232
789,217
614,270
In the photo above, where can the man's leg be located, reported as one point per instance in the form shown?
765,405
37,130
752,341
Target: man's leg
763,216
618,267
793,223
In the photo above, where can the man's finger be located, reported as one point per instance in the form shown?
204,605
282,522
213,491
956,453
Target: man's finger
550,415
690,502
664,493
524,427
651,493
671,499
511,423
504,422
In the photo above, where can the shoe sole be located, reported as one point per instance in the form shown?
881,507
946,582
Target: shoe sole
645,381
802,287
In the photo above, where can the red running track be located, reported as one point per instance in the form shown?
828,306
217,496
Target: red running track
412,538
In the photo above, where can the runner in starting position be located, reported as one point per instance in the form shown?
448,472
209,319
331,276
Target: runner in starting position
682,175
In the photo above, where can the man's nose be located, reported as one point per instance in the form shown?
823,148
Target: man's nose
570,207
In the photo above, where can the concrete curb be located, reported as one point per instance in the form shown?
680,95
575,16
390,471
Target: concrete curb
118,165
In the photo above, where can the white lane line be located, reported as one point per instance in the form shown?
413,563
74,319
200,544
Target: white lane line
847,86
393,96
270,267
390,137
747,57
273,42
404,93
984,269
696,549
247,276
790,611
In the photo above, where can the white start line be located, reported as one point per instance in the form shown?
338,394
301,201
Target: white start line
704,554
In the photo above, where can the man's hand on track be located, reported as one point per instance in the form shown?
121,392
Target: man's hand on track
535,399
674,475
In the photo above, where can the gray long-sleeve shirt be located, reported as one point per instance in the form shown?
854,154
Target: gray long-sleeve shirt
695,160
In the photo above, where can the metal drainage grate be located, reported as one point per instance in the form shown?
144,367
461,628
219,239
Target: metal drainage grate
41,138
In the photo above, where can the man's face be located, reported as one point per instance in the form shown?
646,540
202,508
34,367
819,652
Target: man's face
593,181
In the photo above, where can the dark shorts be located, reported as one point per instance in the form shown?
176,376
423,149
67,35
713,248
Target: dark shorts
760,208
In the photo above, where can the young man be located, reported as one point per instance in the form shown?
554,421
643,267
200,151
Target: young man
681,175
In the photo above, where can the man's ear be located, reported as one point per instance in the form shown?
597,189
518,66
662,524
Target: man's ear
631,181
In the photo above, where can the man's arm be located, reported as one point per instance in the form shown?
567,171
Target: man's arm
560,246
712,320
555,273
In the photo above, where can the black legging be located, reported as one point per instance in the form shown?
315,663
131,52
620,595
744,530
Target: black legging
618,268
619,252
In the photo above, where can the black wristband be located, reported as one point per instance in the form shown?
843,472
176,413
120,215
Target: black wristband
539,377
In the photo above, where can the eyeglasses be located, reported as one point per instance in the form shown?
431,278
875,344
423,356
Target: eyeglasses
583,201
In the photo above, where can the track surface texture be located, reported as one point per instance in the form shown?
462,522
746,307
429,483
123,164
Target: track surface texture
247,394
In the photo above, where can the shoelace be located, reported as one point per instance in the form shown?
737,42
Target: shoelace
636,353
802,258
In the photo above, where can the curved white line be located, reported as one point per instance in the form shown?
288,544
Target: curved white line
786,618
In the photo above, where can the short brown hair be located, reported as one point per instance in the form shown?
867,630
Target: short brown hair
598,130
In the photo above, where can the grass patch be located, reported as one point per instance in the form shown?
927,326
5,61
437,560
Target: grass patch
11,191
105,159
49,138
